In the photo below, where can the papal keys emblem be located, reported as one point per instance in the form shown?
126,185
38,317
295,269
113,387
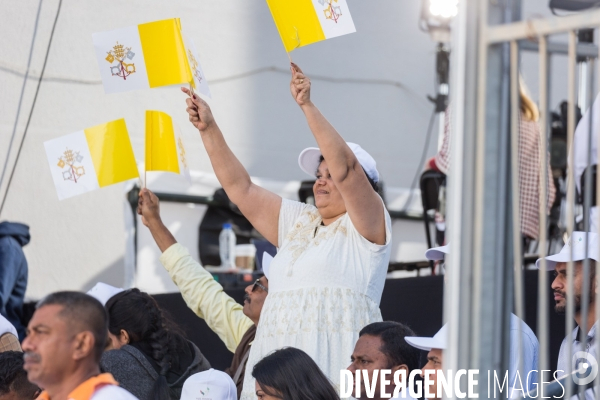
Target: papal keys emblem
120,54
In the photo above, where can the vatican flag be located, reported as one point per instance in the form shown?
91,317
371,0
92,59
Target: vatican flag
164,145
147,56
90,159
302,22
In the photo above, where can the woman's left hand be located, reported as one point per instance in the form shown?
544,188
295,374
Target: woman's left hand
300,86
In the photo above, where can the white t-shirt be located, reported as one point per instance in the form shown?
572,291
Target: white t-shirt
112,392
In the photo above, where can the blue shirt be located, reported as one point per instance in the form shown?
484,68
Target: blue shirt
530,348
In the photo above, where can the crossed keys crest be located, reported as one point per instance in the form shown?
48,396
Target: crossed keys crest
120,54
70,159
331,12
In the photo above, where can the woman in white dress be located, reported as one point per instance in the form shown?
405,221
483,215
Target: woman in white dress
326,281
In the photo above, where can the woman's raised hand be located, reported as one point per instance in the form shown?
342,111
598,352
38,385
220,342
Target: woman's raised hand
300,86
200,114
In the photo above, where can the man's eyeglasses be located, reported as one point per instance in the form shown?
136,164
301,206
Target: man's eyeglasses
260,285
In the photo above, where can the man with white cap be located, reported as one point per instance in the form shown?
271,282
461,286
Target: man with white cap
435,347
575,250
209,385
530,345
235,324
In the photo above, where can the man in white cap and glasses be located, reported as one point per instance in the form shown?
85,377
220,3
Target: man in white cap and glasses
235,324
575,250
527,354
328,275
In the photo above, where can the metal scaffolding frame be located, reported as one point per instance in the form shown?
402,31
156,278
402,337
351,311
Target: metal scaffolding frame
483,202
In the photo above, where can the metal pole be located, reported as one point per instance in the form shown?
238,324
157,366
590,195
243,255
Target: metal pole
515,117
543,318
570,197
478,299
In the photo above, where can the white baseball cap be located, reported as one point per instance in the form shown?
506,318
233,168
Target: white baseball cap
437,253
438,341
309,160
577,243
102,292
209,385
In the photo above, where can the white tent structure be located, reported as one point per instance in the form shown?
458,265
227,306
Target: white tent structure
371,85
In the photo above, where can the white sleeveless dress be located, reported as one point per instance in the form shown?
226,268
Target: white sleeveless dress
325,285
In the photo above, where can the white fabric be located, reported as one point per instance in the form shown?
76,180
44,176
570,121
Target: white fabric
7,327
562,365
594,219
309,160
209,385
103,291
438,341
437,253
325,285
266,264
401,395
578,244
112,392
580,142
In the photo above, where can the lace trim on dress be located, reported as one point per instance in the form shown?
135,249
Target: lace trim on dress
301,235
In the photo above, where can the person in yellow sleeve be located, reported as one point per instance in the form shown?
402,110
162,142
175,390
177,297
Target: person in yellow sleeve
235,324
65,340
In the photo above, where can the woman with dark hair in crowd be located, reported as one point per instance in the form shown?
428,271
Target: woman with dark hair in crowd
149,356
290,374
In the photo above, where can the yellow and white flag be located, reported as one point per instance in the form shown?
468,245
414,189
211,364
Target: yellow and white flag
147,56
90,159
164,145
302,22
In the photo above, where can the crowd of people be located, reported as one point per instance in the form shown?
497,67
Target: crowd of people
314,314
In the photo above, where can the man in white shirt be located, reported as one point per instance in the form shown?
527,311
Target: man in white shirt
381,346
527,353
65,340
576,246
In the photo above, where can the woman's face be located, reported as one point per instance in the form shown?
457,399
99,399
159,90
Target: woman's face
328,199
260,393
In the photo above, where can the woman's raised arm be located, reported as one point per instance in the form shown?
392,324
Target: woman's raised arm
260,206
362,203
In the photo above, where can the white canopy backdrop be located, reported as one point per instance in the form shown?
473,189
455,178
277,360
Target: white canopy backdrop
372,85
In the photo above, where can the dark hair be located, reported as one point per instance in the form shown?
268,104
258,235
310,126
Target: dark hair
150,329
83,311
13,377
373,184
394,346
293,375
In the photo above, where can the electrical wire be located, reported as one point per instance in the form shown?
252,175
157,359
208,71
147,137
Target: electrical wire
37,90
421,163
14,131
